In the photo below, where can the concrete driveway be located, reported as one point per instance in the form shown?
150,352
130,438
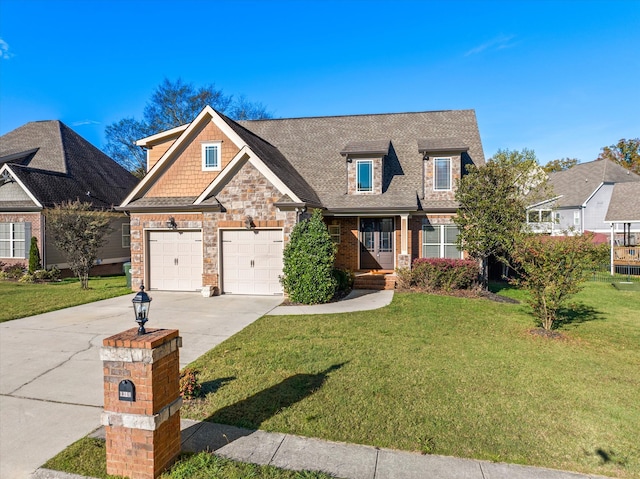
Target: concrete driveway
51,374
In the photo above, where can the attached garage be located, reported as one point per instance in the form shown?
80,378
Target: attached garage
251,261
175,260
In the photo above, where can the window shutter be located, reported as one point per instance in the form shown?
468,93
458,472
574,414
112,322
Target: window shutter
27,239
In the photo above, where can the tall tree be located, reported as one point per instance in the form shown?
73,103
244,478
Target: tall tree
625,153
78,232
560,165
172,104
492,202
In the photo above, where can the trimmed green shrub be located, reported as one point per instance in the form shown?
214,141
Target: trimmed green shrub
442,274
13,271
308,262
344,279
34,256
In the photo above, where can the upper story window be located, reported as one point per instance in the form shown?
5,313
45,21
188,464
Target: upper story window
442,173
211,156
364,176
13,240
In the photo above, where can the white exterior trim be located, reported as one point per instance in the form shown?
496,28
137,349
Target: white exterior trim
584,205
159,136
6,167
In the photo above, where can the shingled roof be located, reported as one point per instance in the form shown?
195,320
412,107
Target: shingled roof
313,147
624,205
575,185
56,164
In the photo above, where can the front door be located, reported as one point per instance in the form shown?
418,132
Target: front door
376,243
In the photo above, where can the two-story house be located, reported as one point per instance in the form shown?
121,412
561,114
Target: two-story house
220,197
580,199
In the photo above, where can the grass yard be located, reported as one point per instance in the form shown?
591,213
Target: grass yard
26,299
444,375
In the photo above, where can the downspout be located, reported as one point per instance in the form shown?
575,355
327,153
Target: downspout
43,236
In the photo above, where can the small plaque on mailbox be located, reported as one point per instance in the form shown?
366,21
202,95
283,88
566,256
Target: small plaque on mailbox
126,391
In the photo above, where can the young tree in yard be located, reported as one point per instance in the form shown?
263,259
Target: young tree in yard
172,104
492,204
551,269
308,262
625,153
78,232
34,256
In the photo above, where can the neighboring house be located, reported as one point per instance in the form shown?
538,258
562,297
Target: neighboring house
581,198
624,213
44,163
220,197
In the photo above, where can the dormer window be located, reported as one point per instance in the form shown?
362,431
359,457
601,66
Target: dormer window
211,156
364,176
442,174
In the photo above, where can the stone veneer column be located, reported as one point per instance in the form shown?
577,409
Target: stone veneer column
143,434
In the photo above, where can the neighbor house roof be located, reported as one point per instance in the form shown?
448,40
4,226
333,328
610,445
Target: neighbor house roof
56,164
313,146
575,185
624,206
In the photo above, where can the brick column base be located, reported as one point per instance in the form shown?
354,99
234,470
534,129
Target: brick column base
141,402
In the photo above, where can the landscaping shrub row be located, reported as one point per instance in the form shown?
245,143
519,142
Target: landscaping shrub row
433,274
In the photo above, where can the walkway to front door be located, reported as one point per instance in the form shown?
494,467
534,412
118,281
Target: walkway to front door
376,243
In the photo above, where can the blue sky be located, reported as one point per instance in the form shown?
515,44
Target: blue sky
559,77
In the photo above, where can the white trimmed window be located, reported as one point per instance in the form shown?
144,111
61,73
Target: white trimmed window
334,232
364,176
13,240
126,235
439,241
576,218
539,216
442,173
211,156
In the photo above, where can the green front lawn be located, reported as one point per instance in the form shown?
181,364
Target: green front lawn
444,375
20,300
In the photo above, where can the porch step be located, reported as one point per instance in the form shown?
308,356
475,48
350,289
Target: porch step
375,281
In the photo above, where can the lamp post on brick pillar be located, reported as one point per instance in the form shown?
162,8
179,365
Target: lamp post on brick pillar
141,399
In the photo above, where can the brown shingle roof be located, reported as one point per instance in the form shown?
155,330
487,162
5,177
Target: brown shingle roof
577,184
625,203
57,164
313,145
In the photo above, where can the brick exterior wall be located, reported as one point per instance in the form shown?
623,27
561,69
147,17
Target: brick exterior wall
36,223
185,177
348,248
142,436
456,172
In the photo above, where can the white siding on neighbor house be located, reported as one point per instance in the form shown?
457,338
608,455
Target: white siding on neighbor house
565,221
596,210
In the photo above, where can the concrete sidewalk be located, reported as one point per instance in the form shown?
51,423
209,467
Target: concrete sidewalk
345,461
357,300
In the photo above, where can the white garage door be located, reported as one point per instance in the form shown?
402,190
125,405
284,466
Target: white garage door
251,261
175,260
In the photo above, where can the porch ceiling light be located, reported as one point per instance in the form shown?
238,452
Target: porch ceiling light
141,304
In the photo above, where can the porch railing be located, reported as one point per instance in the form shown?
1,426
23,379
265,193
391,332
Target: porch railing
626,254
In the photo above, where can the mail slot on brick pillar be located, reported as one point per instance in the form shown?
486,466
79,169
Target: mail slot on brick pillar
141,397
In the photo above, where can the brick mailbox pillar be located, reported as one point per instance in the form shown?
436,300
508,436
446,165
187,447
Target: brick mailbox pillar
141,401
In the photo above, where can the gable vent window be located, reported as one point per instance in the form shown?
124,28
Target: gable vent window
364,176
13,240
442,174
211,156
